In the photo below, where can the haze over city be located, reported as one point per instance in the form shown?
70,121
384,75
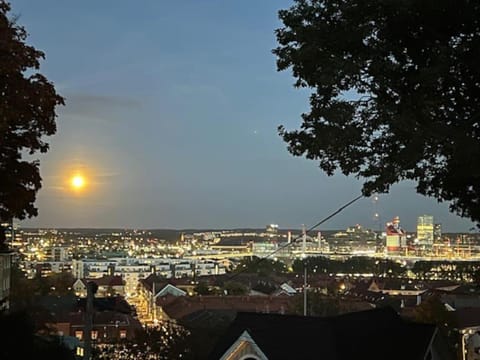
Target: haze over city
171,118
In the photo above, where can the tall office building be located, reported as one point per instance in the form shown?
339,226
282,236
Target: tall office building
425,229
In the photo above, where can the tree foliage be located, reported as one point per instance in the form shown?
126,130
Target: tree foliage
163,342
464,271
260,266
396,89
235,288
353,265
202,288
24,292
27,114
20,340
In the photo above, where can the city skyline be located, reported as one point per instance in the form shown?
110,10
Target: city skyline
173,123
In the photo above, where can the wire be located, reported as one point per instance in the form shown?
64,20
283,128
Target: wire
297,238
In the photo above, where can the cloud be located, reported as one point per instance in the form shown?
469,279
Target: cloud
95,104
54,187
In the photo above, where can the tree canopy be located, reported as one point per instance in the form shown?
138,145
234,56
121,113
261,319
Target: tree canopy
261,266
353,265
27,114
21,341
395,93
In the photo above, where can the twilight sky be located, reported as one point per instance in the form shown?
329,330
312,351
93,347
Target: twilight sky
171,115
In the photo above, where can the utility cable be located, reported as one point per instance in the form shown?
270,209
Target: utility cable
259,260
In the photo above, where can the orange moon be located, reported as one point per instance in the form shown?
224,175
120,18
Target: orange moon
77,182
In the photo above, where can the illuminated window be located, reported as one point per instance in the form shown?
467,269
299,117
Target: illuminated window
94,335
123,334
79,351
79,334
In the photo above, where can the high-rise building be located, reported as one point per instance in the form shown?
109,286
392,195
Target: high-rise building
59,253
396,236
425,229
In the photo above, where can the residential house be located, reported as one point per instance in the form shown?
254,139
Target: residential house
152,288
463,296
176,308
108,285
466,322
373,334
108,326
285,290
397,287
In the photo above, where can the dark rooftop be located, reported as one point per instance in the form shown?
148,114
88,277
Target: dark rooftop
372,334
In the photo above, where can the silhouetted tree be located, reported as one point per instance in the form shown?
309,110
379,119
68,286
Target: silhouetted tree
395,93
24,292
235,288
202,288
19,340
262,267
21,290
27,114
356,264
164,342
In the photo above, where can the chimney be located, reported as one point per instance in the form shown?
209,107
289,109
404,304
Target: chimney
91,290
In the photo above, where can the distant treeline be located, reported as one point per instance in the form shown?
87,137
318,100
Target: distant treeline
463,271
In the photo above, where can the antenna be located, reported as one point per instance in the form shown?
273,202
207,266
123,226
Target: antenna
377,219
304,248
376,214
